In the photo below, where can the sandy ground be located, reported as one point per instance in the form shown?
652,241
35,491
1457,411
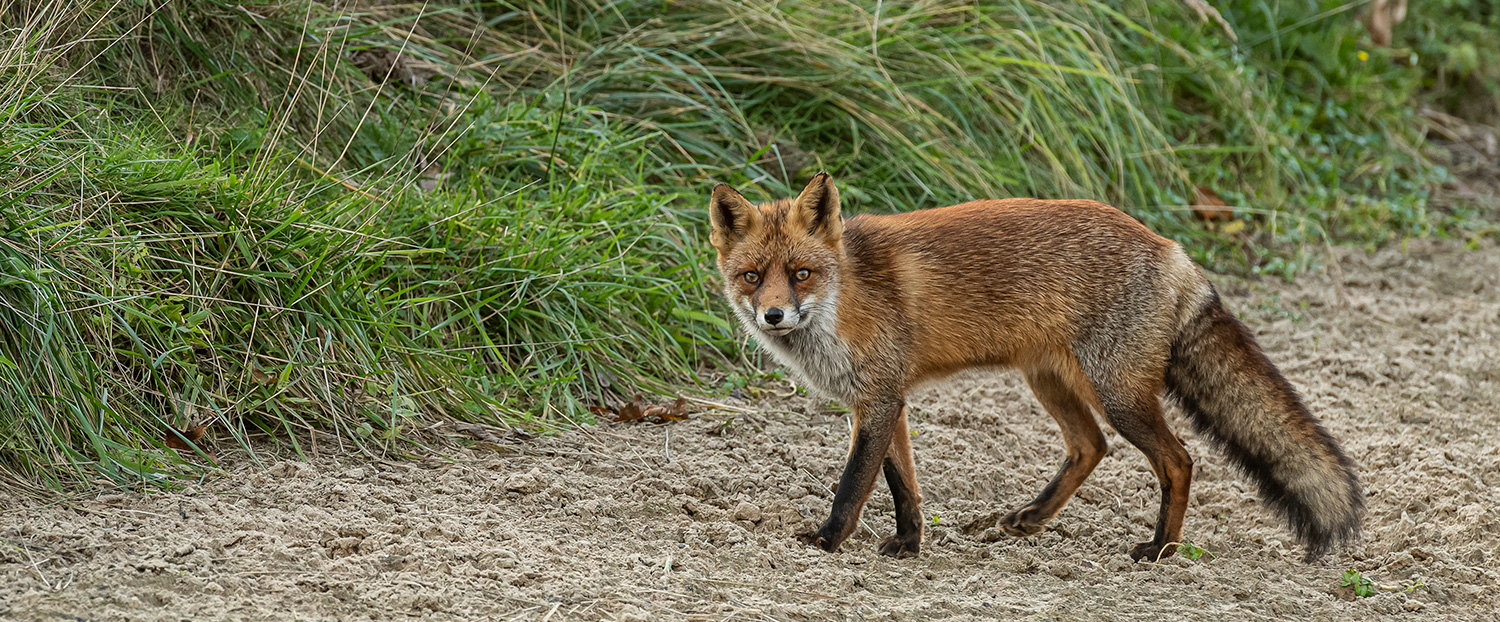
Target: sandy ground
1399,352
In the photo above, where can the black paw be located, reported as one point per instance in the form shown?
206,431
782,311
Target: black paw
815,538
901,546
1022,522
1152,552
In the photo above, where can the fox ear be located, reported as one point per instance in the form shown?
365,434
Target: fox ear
730,217
817,209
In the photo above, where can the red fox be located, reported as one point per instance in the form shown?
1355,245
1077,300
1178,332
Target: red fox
1100,314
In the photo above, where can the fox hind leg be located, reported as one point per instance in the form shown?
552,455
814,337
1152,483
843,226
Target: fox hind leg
1085,446
1137,416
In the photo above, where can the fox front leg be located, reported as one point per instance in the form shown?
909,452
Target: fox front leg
901,476
873,429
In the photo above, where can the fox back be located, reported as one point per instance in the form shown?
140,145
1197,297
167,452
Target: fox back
987,283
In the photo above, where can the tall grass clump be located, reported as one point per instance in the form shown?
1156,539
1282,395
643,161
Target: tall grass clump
147,286
1309,134
1299,122
365,218
911,104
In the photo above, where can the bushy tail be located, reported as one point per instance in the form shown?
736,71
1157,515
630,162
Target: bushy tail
1234,395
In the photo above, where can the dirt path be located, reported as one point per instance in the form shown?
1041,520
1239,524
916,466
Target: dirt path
1398,352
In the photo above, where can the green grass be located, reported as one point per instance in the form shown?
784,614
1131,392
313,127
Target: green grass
931,103
160,289
278,216
149,285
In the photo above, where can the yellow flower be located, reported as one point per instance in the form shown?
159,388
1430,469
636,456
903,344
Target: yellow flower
1363,56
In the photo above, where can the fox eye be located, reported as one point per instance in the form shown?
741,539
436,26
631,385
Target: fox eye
751,277
803,274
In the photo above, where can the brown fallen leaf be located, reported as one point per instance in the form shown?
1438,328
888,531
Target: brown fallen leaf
194,436
261,377
637,410
1209,206
676,411
634,410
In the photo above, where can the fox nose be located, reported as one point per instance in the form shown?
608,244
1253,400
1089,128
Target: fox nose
774,315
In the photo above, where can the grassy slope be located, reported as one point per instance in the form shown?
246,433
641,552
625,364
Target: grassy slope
277,216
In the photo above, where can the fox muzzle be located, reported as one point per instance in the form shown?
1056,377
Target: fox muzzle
779,320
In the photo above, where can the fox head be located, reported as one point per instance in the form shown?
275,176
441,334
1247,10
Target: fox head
780,260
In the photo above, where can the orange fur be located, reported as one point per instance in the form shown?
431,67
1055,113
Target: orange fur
1092,306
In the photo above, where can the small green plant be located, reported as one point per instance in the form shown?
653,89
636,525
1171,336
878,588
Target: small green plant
733,382
1363,586
1193,552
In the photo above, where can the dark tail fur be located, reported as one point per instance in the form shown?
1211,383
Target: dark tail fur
1234,395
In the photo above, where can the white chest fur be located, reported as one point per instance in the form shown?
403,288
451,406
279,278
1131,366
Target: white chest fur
814,353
